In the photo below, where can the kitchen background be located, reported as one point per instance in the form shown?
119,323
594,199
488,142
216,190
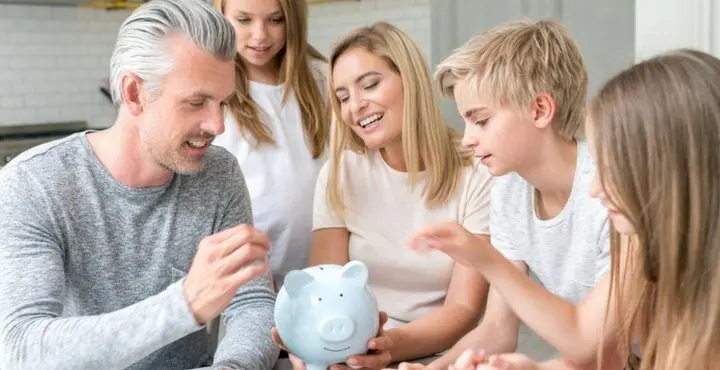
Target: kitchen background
53,59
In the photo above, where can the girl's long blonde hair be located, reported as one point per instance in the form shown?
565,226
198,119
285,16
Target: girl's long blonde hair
296,73
427,140
656,129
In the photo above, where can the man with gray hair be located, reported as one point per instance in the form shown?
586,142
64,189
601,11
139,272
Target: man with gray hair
118,246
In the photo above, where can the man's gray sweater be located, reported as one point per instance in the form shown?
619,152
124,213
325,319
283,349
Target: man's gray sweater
91,271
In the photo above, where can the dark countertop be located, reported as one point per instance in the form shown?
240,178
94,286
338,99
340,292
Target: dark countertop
30,130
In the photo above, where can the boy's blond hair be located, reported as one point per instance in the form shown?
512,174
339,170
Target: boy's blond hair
514,62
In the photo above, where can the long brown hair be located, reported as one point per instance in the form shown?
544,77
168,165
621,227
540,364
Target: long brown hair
427,140
297,75
656,130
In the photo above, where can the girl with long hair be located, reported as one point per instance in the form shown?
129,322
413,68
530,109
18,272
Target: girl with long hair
277,122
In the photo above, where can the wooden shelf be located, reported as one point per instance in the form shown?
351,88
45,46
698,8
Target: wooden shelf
113,4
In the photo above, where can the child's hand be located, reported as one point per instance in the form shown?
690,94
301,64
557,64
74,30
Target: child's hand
454,240
469,360
511,361
411,366
476,360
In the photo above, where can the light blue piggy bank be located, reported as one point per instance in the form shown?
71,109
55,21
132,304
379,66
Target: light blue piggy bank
325,314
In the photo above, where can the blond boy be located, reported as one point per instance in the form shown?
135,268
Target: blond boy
521,89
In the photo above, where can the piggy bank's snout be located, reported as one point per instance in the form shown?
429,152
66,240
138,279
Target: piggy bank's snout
336,328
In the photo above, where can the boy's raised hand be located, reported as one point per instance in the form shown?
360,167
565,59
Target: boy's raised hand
454,240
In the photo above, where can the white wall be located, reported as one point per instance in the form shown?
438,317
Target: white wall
52,61
329,21
662,25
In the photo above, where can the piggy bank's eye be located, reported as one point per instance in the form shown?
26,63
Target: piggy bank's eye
319,299
322,268
341,294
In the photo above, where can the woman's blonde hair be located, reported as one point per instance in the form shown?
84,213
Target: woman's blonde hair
296,73
427,140
656,130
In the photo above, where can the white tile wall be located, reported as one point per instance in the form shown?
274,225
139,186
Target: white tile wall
53,59
330,21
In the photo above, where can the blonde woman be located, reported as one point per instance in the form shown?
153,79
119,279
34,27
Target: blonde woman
394,165
654,131
276,124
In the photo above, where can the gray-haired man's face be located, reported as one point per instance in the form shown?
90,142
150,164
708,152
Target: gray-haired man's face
188,111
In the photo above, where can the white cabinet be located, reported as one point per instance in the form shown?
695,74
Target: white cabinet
605,30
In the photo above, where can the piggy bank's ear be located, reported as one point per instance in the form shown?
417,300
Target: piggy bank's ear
296,280
355,271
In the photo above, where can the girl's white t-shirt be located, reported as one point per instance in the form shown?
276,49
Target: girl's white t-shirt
281,177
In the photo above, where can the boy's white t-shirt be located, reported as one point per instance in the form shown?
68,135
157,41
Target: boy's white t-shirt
280,178
381,212
569,253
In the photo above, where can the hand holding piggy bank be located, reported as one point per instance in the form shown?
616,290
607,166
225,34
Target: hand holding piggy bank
327,313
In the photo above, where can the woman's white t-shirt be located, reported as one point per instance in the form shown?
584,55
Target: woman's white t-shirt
281,177
381,213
